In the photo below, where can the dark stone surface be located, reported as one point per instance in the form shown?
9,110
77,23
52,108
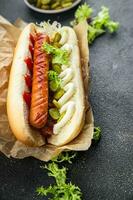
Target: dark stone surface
105,172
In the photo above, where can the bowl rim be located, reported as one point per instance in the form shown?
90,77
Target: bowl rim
51,11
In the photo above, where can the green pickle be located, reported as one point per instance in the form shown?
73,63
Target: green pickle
66,1
38,3
57,68
57,44
61,116
58,8
57,37
65,5
55,5
57,105
45,7
54,85
45,1
59,94
52,5
54,113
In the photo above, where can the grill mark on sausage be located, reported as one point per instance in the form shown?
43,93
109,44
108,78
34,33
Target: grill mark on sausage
39,100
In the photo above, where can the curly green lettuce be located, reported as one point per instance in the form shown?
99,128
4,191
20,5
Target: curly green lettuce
100,24
97,25
60,56
64,192
61,190
102,20
97,134
93,33
82,13
66,156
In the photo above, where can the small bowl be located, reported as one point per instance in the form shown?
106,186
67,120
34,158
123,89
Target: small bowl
51,11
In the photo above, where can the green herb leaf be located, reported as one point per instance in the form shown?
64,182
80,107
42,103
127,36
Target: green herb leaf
93,33
97,134
57,173
100,24
112,26
60,56
65,192
102,20
62,190
83,13
66,156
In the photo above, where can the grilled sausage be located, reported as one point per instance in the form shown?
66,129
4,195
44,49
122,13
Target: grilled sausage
39,97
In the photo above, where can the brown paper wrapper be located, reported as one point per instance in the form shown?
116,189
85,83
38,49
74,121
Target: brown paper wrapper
8,144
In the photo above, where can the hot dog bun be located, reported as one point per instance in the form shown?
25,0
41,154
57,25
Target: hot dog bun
16,107
72,102
74,125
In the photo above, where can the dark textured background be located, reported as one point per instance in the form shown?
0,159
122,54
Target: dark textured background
105,172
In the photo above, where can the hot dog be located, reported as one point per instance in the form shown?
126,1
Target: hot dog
45,94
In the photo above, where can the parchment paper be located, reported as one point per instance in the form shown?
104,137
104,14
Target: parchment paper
8,144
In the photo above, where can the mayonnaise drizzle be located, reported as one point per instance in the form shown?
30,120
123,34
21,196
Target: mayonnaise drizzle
67,47
64,38
69,92
66,76
69,108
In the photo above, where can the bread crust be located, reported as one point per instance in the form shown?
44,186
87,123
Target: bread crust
16,107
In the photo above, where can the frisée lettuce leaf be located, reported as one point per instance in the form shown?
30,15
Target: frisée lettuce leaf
61,190
96,25
60,56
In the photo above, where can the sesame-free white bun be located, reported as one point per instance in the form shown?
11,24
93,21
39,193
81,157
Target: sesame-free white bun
17,109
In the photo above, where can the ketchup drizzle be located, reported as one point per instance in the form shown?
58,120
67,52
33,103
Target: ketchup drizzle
28,81
29,63
27,98
32,39
27,77
31,48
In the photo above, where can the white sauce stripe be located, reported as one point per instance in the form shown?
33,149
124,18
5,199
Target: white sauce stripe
67,47
63,67
66,76
69,92
64,36
67,105
69,108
